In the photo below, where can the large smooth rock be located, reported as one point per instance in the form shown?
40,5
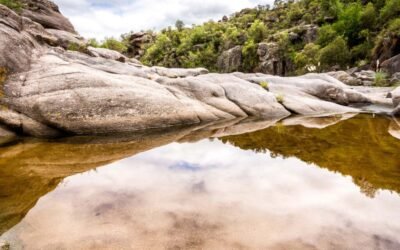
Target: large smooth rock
322,86
86,100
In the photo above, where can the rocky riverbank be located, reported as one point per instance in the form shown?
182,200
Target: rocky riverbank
49,90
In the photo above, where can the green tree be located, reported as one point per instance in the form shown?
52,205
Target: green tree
335,53
326,34
257,31
307,58
368,17
331,8
249,55
349,23
156,52
390,10
179,25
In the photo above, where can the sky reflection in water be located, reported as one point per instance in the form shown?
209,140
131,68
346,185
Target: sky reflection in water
210,195
213,195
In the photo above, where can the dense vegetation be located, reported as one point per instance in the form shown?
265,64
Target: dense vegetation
12,4
349,30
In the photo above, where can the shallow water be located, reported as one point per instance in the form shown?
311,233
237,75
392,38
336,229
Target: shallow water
329,183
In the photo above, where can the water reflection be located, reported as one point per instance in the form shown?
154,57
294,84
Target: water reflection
360,147
209,194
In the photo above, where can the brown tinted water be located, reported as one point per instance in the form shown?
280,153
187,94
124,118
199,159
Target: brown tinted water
287,186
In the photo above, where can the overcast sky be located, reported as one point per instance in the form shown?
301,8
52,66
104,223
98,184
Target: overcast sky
101,18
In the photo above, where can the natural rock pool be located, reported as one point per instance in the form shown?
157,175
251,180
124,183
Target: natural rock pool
304,183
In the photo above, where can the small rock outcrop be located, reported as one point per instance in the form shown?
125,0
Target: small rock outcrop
346,78
107,54
47,14
137,43
230,60
270,63
392,65
395,79
387,48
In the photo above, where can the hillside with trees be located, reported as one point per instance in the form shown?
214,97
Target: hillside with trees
289,38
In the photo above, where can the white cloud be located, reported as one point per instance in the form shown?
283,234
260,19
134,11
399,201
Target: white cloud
101,18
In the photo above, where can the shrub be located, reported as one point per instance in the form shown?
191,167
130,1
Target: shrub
390,10
3,78
307,59
12,4
156,52
257,31
394,27
280,98
264,85
295,14
83,48
380,79
249,55
331,8
349,23
93,43
308,18
326,34
368,16
335,53
114,44
361,51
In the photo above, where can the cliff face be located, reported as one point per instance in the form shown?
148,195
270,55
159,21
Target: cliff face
50,91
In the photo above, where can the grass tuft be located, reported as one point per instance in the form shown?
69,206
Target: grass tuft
280,98
3,78
381,79
264,85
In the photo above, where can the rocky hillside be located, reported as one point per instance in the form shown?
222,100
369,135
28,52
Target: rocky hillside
54,84
289,38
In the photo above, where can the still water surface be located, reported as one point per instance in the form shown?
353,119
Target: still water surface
282,187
